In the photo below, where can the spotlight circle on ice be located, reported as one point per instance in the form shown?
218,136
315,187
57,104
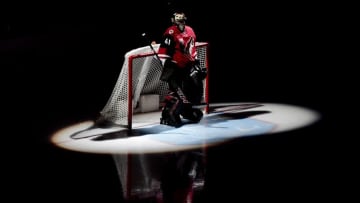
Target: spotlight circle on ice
226,121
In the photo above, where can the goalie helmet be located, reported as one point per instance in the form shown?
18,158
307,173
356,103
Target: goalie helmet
178,18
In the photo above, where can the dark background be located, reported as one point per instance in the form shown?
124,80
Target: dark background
61,68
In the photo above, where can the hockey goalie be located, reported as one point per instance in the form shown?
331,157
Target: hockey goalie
182,72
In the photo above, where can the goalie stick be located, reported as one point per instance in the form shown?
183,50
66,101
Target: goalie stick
152,48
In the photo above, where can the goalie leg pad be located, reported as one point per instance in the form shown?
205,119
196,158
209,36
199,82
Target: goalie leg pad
192,114
170,114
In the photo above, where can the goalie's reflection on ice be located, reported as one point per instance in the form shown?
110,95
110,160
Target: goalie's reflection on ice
174,177
182,176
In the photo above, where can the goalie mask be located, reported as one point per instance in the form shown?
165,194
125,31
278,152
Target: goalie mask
179,20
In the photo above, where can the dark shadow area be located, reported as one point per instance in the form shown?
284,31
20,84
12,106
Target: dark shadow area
234,107
241,115
57,74
112,136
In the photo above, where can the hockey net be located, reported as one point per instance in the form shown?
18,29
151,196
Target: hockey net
139,88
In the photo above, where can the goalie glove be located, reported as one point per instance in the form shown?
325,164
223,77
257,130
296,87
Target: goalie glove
198,73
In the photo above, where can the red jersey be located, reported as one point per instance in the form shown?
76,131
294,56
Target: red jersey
180,46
